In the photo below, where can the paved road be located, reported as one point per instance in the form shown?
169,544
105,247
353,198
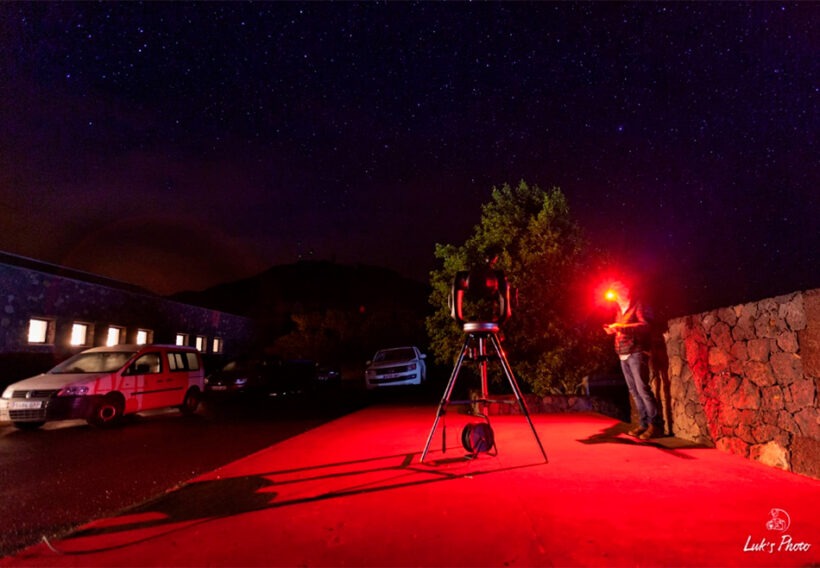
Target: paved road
68,473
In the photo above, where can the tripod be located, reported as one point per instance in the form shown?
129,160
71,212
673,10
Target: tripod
480,333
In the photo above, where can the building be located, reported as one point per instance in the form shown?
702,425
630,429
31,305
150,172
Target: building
48,312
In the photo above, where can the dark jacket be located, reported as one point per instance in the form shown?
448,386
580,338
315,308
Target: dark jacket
634,339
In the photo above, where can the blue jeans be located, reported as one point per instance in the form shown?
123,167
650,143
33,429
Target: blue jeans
636,374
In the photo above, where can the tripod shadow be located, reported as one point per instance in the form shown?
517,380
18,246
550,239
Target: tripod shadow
201,502
210,499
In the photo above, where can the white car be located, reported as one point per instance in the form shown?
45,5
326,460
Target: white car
396,366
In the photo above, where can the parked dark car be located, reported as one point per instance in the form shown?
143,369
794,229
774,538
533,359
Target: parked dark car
296,376
328,377
245,375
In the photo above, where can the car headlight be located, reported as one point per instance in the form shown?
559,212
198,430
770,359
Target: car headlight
74,390
7,392
240,382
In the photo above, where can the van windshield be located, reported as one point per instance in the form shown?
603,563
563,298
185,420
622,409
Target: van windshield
105,362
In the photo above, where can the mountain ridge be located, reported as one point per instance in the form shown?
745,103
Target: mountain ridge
309,286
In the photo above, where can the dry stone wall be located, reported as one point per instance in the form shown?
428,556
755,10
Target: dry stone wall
746,380
550,404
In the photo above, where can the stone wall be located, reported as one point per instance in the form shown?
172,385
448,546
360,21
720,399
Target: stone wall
551,404
746,378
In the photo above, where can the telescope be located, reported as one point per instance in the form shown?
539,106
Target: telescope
489,293
482,283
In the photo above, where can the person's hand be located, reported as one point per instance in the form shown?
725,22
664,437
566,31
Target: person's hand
609,328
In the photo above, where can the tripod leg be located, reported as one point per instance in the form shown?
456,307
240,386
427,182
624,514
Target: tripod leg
482,365
514,384
445,399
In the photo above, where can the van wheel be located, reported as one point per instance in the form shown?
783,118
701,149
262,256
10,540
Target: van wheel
27,425
190,403
107,412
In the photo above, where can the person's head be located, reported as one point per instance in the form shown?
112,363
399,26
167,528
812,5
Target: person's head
618,292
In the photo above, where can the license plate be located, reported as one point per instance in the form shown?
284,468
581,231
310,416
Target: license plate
219,388
25,404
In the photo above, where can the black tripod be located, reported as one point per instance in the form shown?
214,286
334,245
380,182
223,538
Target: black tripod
480,333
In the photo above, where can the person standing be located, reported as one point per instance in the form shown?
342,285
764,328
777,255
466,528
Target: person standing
632,344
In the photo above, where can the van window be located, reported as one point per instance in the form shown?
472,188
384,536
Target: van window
97,362
193,361
175,361
178,361
145,365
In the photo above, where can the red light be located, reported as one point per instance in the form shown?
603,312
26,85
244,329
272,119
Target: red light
610,290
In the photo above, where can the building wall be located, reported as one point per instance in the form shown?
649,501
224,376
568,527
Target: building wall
26,292
746,379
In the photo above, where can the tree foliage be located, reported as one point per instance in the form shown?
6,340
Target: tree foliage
545,258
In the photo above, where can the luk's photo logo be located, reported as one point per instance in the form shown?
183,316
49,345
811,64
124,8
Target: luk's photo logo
779,521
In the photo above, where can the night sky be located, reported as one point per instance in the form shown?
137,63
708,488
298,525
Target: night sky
178,145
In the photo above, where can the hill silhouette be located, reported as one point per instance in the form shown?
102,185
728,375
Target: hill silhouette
313,286
324,310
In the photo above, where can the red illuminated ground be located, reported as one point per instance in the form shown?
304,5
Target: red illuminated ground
352,493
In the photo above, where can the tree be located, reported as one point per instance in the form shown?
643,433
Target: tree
545,257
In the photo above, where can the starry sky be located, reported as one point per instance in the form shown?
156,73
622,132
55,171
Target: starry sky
179,145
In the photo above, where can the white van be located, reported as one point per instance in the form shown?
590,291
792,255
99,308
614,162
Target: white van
102,384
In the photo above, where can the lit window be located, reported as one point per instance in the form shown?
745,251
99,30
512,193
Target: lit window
217,345
79,334
38,330
143,336
114,335
201,343
182,339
